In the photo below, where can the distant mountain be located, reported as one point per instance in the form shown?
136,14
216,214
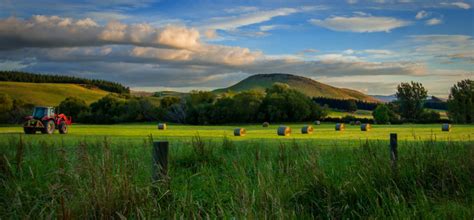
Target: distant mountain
385,98
305,85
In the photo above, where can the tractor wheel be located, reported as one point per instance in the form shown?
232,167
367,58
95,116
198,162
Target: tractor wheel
62,127
29,130
48,127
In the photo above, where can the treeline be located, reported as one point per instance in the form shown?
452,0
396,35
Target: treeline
278,104
410,105
346,104
16,76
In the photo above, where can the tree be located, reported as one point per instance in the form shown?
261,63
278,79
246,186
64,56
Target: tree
381,114
72,106
168,101
284,104
351,106
411,97
461,102
6,102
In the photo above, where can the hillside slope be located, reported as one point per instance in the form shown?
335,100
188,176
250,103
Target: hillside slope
49,94
305,85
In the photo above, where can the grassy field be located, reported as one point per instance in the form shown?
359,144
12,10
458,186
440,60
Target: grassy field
49,94
104,171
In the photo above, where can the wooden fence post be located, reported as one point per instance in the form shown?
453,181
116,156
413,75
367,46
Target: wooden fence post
393,151
160,160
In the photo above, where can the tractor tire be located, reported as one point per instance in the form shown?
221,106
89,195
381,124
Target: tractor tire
62,127
29,130
48,127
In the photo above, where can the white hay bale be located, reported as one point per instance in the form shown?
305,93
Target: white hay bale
161,126
265,124
308,129
365,127
340,127
446,127
284,131
240,132
317,122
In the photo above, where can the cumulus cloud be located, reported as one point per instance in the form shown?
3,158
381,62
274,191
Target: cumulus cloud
360,23
433,21
462,5
421,14
54,31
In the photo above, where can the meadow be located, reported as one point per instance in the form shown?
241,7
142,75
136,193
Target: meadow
104,171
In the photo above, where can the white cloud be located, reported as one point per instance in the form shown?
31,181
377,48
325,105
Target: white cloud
233,22
360,24
433,21
421,14
462,5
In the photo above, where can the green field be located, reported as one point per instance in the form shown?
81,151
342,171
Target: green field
104,171
49,94
323,134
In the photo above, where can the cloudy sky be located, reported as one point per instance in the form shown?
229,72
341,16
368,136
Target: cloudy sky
367,45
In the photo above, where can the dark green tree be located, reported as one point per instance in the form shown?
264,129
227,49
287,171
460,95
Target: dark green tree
72,106
411,97
461,102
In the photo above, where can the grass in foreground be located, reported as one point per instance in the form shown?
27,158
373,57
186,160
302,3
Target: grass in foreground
93,177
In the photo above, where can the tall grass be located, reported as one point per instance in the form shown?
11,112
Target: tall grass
106,178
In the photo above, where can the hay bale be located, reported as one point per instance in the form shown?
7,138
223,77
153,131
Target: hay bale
340,127
265,124
307,129
365,127
358,123
240,132
161,126
446,127
317,122
352,123
284,131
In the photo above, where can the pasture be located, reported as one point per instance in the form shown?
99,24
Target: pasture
99,171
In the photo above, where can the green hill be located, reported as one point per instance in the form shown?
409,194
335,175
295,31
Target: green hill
49,94
305,85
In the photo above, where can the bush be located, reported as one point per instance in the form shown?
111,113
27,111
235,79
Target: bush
73,106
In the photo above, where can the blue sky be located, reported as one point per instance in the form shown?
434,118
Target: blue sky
370,46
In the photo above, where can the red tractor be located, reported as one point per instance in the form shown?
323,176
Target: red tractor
45,120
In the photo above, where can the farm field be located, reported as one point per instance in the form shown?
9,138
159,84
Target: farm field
324,134
49,94
98,171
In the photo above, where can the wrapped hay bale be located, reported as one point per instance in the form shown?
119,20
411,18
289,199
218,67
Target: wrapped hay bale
284,131
317,122
340,127
308,129
358,123
446,127
240,132
352,123
365,127
161,126
265,124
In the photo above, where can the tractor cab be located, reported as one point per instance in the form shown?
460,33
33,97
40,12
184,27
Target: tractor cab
40,112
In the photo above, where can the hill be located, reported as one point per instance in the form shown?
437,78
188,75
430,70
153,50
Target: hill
49,94
15,76
305,85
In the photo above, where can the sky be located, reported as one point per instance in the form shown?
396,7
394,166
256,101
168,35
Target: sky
367,45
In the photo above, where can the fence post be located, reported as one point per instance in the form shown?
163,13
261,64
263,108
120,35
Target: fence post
160,160
393,151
